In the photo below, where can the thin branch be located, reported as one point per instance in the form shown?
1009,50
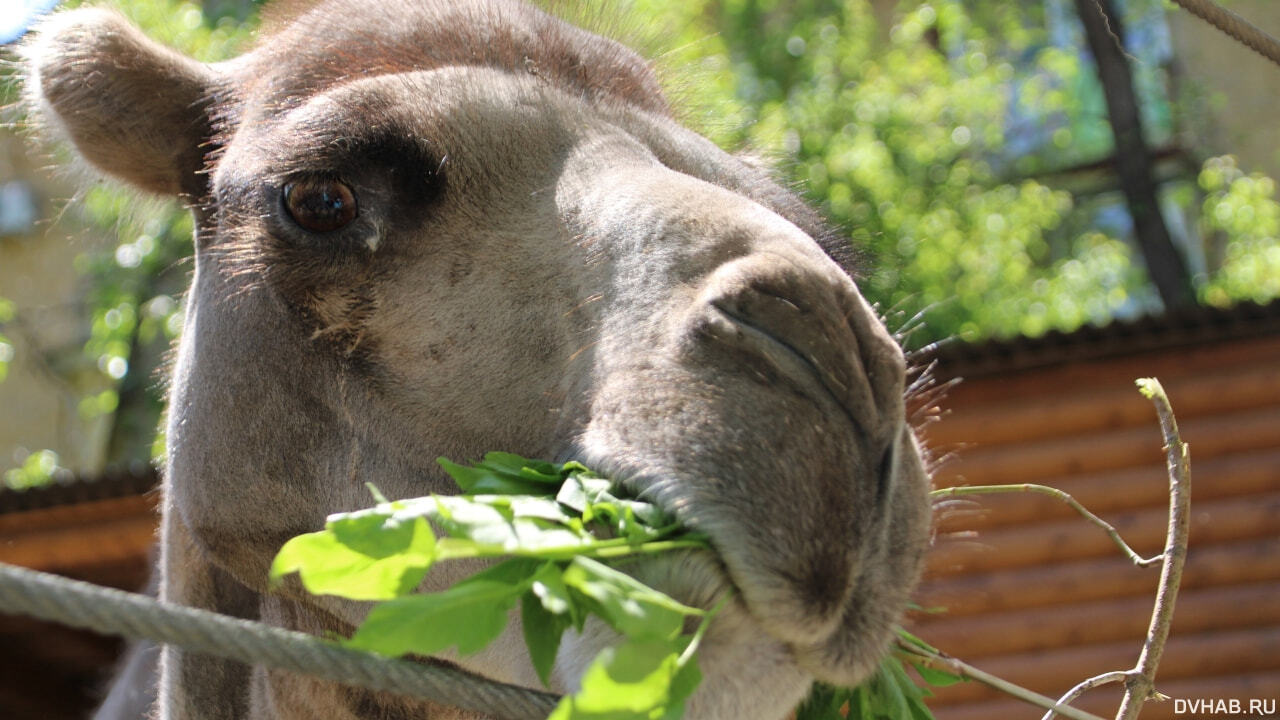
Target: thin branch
1096,681
1140,684
936,660
1054,493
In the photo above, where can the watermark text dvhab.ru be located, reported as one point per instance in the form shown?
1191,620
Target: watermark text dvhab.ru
1222,707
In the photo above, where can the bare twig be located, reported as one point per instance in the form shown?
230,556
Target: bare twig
1140,681
1096,681
937,660
1140,684
1054,493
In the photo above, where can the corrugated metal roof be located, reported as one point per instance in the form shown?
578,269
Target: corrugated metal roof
71,489
1168,331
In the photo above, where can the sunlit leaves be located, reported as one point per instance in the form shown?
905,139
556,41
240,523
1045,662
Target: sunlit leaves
133,314
468,616
629,606
7,312
182,24
546,611
550,521
1242,213
637,680
366,556
37,469
552,543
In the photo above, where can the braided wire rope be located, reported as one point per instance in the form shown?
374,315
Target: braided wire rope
115,612
1237,27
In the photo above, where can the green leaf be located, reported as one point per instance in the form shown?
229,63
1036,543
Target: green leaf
687,679
544,508
887,698
372,532
524,468
912,639
627,605
469,615
823,703
542,632
593,498
919,711
937,678
573,495
485,481
632,681
475,519
892,669
859,700
486,526
547,610
548,586
329,566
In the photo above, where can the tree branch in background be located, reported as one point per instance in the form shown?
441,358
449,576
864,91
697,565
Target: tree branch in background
1165,265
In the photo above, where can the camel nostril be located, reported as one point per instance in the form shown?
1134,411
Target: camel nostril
885,470
793,318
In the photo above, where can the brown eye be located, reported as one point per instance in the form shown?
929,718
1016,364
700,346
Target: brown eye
320,205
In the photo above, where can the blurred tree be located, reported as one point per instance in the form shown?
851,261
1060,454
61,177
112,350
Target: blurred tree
132,300
1165,267
927,131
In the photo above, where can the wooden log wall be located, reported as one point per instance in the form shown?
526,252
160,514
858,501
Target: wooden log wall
49,671
1023,587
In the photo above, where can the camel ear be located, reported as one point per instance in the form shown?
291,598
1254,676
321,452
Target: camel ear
133,108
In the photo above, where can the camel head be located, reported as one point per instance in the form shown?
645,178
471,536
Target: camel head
436,228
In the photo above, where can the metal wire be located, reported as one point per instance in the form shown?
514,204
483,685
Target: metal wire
115,612
1235,26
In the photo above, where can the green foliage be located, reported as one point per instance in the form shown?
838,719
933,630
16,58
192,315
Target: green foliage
890,694
550,544
6,348
909,128
38,469
133,305
550,523
900,136
1242,211
184,25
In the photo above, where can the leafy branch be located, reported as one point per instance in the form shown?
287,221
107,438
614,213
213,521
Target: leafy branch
551,526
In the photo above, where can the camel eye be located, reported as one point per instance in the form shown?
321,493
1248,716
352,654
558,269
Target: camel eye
320,205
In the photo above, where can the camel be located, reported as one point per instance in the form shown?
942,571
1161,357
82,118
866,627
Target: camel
442,227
